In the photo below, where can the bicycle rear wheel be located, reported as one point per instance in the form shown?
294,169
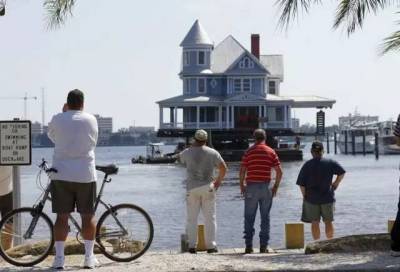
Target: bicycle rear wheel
34,237
124,233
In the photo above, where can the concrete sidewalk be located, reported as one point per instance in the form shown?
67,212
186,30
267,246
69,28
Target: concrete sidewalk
234,260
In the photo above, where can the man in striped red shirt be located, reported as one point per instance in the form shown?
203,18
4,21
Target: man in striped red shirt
255,177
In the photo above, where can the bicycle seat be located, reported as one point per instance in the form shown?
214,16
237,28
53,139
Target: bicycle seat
110,169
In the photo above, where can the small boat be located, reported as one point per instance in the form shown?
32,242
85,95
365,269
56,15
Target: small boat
154,155
387,140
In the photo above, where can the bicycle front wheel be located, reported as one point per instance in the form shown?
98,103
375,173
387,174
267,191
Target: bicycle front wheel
26,237
124,233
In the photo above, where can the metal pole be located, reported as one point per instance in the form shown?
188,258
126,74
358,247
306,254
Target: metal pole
353,143
345,142
335,140
376,146
17,203
327,143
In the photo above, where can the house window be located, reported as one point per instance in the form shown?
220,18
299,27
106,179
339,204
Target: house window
186,58
272,87
246,85
237,85
201,85
242,85
279,114
201,58
186,85
246,63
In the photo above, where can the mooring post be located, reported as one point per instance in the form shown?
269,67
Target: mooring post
353,143
335,141
364,144
327,143
376,146
345,142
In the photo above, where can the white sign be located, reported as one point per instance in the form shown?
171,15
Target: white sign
15,143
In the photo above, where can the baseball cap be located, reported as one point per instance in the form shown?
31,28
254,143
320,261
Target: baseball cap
201,135
317,146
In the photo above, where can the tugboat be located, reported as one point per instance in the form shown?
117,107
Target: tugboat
154,155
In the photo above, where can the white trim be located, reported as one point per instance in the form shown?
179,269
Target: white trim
233,90
205,85
242,63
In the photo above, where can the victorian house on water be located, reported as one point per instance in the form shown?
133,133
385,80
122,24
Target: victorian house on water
229,90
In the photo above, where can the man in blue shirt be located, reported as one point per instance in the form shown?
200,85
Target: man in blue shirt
318,190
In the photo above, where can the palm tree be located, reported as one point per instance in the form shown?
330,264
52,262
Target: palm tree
58,11
350,13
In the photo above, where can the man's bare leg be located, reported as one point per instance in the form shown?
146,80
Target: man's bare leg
329,229
6,238
88,232
315,231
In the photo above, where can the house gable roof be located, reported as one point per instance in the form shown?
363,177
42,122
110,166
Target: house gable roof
258,67
274,64
196,36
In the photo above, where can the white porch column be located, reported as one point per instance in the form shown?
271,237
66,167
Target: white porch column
233,116
175,117
227,116
198,117
220,116
285,124
265,123
161,117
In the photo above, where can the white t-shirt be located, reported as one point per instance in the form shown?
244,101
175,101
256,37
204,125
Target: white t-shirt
6,185
74,134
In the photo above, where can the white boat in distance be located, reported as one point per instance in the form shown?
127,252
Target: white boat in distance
358,132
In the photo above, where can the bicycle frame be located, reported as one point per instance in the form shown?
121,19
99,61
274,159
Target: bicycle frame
39,209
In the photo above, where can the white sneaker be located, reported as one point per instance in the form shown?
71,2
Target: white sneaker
58,262
90,262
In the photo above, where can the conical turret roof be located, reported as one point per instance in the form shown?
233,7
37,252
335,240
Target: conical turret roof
196,36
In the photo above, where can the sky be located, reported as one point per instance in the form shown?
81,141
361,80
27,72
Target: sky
125,56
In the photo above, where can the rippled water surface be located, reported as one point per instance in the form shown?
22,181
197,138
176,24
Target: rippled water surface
365,201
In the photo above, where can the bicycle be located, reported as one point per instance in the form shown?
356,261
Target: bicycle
123,233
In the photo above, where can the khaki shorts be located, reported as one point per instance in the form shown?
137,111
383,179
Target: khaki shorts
314,212
66,195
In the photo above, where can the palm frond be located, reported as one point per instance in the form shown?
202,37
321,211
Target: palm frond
353,12
58,11
290,9
391,43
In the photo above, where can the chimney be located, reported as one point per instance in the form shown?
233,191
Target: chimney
255,45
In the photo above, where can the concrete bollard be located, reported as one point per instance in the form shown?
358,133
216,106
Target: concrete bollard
184,243
390,225
201,241
294,235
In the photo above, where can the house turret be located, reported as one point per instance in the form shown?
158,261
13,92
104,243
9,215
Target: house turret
196,51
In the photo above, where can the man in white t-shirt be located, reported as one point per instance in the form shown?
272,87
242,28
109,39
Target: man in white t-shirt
74,134
6,201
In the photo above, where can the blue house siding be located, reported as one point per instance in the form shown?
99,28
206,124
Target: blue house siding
257,86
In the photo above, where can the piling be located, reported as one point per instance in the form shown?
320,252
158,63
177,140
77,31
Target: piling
353,143
363,142
335,141
327,143
294,235
376,146
345,143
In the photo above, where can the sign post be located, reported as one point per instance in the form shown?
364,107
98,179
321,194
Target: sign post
16,150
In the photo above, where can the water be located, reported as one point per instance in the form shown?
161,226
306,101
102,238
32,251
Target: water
366,199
